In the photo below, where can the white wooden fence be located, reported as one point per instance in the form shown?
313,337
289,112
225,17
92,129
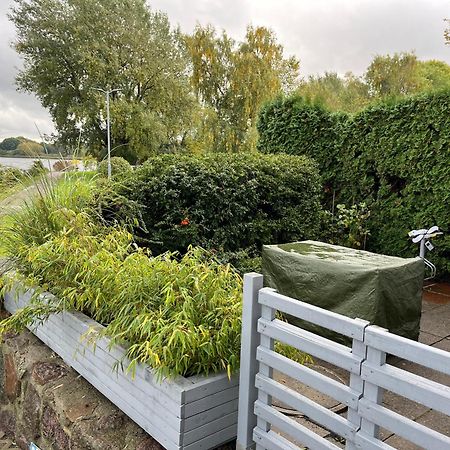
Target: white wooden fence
365,361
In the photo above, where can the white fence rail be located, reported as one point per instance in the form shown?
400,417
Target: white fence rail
370,375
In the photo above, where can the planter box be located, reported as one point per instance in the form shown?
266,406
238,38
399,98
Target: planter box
184,413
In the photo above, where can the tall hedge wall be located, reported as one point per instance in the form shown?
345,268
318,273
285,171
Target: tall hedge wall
295,127
394,156
225,202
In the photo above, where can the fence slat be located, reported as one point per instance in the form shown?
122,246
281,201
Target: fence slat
267,314
422,354
292,428
369,443
406,428
310,377
317,413
330,320
322,348
421,390
272,441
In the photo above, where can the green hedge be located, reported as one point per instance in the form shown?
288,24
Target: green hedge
223,202
296,127
393,156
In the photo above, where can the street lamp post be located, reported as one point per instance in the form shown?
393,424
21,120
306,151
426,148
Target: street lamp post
108,126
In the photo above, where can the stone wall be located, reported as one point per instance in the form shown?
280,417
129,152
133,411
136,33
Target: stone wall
45,401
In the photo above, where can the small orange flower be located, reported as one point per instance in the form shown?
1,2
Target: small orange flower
185,222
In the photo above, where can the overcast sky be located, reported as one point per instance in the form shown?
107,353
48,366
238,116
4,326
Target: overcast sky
325,35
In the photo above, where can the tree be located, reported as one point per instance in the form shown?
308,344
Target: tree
447,33
403,74
394,76
336,93
10,144
232,80
435,74
72,46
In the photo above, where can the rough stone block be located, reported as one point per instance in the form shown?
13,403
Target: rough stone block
113,421
80,410
31,412
8,423
149,444
44,372
52,430
11,379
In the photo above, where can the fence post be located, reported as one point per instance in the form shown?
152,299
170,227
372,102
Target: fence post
373,392
356,383
251,312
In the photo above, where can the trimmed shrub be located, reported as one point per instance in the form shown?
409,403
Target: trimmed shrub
296,127
395,157
222,202
119,167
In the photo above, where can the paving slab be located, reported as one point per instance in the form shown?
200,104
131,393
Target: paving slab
436,421
443,344
428,338
440,288
425,372
429,301
303,389
401,444
436,321
408,408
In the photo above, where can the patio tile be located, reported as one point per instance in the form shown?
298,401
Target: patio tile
440,288
316,396
322,432
401,444
443,344
436,321
425,372
427,305
437,298
428,338
404,406
436,421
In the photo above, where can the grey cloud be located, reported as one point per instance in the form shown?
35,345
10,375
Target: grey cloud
20,113
326,35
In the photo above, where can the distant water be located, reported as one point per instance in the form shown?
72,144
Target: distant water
25,163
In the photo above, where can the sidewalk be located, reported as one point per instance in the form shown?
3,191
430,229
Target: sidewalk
434,331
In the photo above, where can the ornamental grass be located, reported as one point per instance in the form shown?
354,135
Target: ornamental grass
179,316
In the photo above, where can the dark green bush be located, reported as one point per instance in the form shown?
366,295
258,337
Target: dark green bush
119,167
393,156
222,202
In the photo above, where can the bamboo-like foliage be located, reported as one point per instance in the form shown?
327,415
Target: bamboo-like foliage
181,317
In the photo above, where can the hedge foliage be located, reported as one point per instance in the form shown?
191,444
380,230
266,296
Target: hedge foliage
222,202
393,156
296,127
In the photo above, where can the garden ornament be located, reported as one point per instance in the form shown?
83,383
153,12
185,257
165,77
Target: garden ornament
423,238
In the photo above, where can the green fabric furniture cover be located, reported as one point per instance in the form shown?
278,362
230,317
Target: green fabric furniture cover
384,290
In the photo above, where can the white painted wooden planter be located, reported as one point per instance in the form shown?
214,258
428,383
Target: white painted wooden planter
185,413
